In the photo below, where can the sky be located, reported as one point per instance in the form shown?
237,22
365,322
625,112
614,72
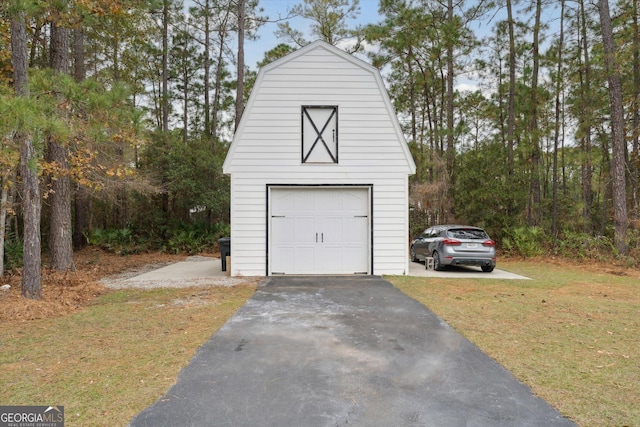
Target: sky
255,49
274,9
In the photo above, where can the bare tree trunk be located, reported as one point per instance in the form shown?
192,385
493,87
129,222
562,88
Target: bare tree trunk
604,184
511,119
620,219
442,114
31,208
412,97
35,41
60,232
635,159
222,32
59,48
79,68
185,106
164,95
503,133
4,198
586,113
451,154
31,202
207,69
165,69
240,73
413,112
81,196
81,209
554,216
536,199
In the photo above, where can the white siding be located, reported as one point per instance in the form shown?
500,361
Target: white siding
267,151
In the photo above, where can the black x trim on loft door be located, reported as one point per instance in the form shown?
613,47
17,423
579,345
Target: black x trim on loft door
310,139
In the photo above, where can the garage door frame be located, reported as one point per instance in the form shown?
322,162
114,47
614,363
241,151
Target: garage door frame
269,187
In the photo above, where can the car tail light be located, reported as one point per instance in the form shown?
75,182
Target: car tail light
451,242
489,243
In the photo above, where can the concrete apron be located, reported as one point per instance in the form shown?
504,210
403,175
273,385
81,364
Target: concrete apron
461,272
332,351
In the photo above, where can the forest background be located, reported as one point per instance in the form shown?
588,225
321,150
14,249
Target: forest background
116,116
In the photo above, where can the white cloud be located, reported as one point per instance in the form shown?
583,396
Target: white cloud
467,87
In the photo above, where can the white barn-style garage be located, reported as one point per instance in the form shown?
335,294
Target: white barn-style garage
319,171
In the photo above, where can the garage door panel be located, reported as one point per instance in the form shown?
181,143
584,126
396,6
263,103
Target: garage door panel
325,200
282,259
356,203
293,260
319,231
332,230
279,227
282,203
282,252
304,230
354,228
356,257
334,261
303,261
304,203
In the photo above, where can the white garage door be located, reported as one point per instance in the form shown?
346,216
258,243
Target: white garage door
319,230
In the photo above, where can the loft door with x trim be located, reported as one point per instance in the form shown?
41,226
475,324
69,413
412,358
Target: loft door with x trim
319,134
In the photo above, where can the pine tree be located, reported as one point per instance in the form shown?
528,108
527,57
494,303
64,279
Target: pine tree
31,201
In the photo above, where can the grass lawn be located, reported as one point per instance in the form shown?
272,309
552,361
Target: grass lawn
110,360
572,333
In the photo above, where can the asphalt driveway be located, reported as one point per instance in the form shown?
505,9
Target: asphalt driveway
336,351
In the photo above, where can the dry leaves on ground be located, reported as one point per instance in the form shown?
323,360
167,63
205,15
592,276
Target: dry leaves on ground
66,292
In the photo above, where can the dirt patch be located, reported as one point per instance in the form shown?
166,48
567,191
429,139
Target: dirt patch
66,292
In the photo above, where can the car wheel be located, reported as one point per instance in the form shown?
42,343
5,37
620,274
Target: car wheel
487,268
412,251
436,262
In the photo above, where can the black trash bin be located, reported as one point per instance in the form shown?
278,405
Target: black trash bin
225,250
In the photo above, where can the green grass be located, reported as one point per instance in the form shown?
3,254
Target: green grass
572,335
116,357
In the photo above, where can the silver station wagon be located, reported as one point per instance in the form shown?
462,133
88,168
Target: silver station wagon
455,245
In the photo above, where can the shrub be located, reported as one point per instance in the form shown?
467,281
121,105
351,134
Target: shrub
195,238
117,240
524,241
189,238
12,252
577,245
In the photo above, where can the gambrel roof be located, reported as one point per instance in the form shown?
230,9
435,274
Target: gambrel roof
268,137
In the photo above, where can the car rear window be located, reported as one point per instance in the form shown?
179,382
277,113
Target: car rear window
467,233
